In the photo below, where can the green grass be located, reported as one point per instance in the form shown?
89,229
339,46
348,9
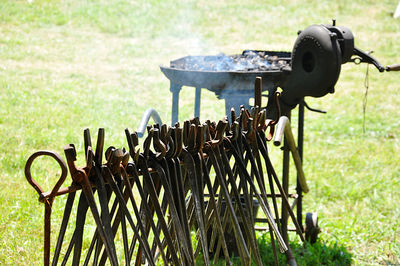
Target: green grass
319,253
67,65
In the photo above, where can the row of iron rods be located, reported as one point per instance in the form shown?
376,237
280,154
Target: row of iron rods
202,178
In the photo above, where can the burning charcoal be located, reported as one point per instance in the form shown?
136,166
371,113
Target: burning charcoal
248,61
252,54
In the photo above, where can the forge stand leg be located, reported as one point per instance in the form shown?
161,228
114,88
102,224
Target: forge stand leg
299,191
175,89
197,102
285,186
285,213
235,101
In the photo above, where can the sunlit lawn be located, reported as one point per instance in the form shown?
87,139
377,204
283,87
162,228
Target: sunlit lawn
68,65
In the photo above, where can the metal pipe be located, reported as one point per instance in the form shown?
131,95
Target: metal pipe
145,120
280,129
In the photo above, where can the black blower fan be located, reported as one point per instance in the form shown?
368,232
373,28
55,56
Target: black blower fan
317,56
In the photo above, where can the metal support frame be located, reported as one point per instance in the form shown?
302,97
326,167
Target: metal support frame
285,174
197,102
285,185
234,100
175,89
300,139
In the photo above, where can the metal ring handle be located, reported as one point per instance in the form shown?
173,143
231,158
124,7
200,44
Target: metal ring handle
33,182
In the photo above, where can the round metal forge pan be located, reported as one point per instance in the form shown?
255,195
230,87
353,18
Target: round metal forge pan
227,80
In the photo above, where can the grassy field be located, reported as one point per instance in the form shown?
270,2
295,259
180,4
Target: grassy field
68,65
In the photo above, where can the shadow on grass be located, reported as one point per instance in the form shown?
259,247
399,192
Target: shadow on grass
319,253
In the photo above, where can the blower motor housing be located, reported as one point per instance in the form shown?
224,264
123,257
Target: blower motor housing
317,56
